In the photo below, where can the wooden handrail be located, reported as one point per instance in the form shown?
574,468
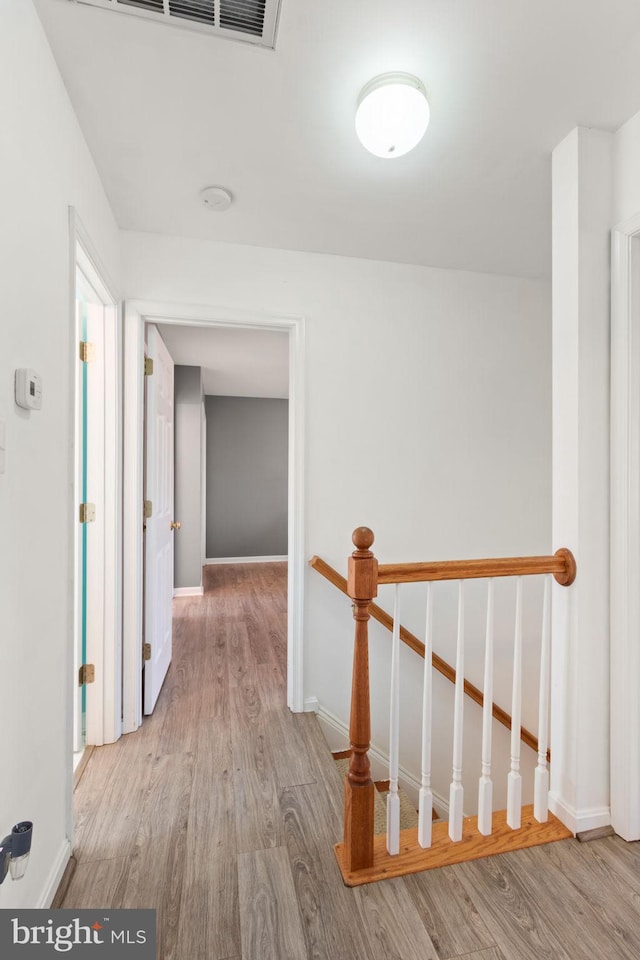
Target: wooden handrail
562,565
332,575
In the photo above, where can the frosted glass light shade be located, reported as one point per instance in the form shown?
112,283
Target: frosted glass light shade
392,115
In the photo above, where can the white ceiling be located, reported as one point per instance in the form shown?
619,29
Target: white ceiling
235,362
167,111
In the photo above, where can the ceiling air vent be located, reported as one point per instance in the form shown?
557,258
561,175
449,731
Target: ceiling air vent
254,21
145,4
244,15
202,11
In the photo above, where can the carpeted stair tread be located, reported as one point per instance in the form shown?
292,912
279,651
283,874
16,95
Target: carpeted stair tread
408,815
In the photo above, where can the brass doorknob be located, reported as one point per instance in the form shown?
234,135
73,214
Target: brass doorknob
175,524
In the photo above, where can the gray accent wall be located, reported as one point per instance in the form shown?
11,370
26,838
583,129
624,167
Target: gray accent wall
247,458
188,476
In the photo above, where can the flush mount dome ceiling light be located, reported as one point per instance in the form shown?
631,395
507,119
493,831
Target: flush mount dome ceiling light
392,114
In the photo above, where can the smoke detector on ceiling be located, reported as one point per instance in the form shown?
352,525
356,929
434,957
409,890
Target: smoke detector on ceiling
216,198
254,21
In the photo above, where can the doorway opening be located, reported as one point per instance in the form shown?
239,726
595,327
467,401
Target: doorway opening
215,456
177,323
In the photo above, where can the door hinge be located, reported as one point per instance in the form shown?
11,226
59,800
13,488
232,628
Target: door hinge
147,510
87,351
148,366
146,651
86,674
87,512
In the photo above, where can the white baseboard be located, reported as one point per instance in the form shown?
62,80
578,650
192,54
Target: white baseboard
245,559
333,726
55,876
188,591
579,821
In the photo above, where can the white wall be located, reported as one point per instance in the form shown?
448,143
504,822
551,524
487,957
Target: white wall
188,490
582,199
596,186
247,472
428,418
45,167
626,164
625,488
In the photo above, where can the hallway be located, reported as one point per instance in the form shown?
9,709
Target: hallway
222,810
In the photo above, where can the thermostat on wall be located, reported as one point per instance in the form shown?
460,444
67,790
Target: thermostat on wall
28,389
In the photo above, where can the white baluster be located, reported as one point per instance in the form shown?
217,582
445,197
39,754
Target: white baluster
393,800
514,784
541,788
425,808
456,792
485,788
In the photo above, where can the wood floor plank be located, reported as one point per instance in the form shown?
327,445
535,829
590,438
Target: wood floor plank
158,863
247,706
209,923
80,768
273,686
99,883
533,911
489,953
510,910
256,803
326,769
109,802
262,649
448,913
65,882
333,930
255,787
269,916
88,793
589,873
622,858
238,651
216,695
293,763
394,928
183,717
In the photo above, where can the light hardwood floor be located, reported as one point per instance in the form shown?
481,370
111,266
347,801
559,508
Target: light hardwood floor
222,811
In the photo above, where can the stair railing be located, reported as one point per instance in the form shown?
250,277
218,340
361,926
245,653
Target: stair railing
363,858
444,668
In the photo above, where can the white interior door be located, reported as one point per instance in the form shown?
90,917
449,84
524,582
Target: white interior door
158,579
94,532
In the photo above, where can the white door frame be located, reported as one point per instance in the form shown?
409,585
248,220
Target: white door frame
136,314
625,529
104,697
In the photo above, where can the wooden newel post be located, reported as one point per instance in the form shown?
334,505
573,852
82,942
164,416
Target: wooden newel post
362,586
